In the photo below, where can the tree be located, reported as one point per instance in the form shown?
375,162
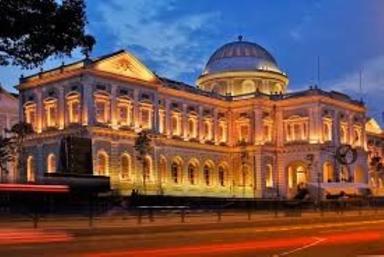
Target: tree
33,30
18,133
143,148
6,155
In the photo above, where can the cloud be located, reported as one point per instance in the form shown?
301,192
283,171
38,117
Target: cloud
372,90
167,39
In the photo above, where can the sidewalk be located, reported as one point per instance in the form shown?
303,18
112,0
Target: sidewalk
130,223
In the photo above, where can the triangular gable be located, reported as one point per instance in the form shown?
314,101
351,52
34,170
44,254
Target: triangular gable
125,64
373,126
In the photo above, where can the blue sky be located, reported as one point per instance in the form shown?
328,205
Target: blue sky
176,37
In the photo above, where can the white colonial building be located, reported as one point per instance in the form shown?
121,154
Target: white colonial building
237,133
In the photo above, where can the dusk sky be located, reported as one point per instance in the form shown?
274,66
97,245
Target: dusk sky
176,38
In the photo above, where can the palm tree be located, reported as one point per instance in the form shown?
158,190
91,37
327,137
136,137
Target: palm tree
143,148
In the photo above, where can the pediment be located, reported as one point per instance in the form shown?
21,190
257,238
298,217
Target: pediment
373,126
124,64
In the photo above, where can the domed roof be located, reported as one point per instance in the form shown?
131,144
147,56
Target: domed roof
240,56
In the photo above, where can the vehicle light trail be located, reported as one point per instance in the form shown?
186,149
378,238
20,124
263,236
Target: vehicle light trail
29,236
254,245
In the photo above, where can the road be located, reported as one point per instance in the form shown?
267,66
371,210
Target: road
363,237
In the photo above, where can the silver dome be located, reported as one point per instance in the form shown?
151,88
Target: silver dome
241,56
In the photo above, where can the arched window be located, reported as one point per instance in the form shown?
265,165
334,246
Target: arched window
207,130
102,164
51,163
207,170
269,176
222,176
175,172
222,135
343,135
31,169
356,137
191,128
192,174
125,166
327,132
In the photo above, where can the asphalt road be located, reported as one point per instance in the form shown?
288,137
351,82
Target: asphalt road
332,239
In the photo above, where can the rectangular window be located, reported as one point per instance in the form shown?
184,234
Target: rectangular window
100,112
244,131
123,115
145,119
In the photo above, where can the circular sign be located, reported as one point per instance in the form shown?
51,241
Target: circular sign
346,155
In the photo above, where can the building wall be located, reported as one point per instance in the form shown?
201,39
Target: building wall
8,117
258,131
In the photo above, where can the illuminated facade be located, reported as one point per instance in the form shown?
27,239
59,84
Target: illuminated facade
237,134
375,143
8,117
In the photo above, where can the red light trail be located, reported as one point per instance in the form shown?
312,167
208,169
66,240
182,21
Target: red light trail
254,245
30,236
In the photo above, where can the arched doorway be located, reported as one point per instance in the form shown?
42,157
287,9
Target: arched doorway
51,163
192,171
31,169
359,176
297,177
176,171
328,172
102,164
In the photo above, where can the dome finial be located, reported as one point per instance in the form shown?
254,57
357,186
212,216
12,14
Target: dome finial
240,37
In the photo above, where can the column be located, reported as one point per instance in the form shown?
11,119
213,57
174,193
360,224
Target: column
113,106
39,110
336,128
200,123
312,123
136,109
168,118
350,128
364,134
215,126
21,107
318,123
156,115
258,122
61,108
278,124
230,140
184,123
